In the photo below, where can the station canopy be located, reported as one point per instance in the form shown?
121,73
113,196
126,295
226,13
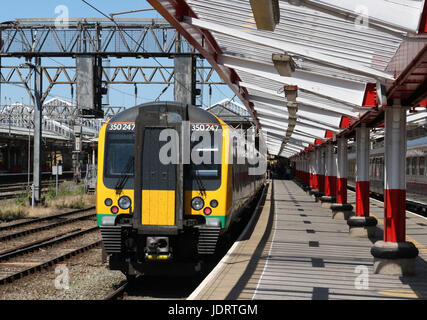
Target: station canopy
305,70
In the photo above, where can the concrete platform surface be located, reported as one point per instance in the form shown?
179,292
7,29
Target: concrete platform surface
297,251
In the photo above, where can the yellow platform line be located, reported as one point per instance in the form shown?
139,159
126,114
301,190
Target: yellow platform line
408,238
399,293
402,293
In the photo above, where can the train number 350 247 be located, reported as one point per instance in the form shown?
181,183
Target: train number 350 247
204,127
122,126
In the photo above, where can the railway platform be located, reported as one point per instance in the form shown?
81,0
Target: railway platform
297,251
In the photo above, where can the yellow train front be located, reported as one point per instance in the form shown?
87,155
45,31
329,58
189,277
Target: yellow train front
171,181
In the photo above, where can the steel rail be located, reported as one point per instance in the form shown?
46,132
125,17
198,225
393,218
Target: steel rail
37,220
47,264
50,226
48,242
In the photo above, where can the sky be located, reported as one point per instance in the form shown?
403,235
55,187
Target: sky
119,95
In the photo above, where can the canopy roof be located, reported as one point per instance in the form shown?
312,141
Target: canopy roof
335,53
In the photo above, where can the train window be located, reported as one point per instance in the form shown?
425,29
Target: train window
422,163
414,166
234,167
378,168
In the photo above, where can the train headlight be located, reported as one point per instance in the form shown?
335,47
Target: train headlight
124,202
197,203
108,202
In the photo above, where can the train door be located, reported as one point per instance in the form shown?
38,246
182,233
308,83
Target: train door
159,195
158,182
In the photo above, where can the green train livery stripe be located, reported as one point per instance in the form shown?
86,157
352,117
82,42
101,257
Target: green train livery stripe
99,218
222,218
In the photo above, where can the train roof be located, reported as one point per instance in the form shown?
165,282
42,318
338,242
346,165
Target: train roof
192,114
416,147
419,142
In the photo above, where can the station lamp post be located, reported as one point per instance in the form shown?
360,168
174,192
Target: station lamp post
36,187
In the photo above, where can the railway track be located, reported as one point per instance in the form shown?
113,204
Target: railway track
47,218
119,292
14,271
18,186
178,287
40,224
14,190
412,205
30,257
156,288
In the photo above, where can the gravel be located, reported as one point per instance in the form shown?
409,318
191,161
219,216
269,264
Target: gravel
89,279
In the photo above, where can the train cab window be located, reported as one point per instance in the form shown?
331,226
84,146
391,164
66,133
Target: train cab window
421,164
205,172
119,159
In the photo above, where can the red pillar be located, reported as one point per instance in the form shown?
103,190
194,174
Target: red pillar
395,174
342,159
316,181
321,169
333,177
362,171
328,170
311,159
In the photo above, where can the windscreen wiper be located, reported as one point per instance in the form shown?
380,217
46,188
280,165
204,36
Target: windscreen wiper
124,177
201,186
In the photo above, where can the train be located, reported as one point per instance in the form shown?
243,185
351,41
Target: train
416,172
171,182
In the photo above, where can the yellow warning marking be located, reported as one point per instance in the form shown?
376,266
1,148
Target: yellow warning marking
379,220
408,238
417,244
399,293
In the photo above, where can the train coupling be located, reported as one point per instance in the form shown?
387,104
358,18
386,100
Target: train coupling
157,249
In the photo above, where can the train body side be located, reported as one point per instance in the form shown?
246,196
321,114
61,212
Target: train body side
416,170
